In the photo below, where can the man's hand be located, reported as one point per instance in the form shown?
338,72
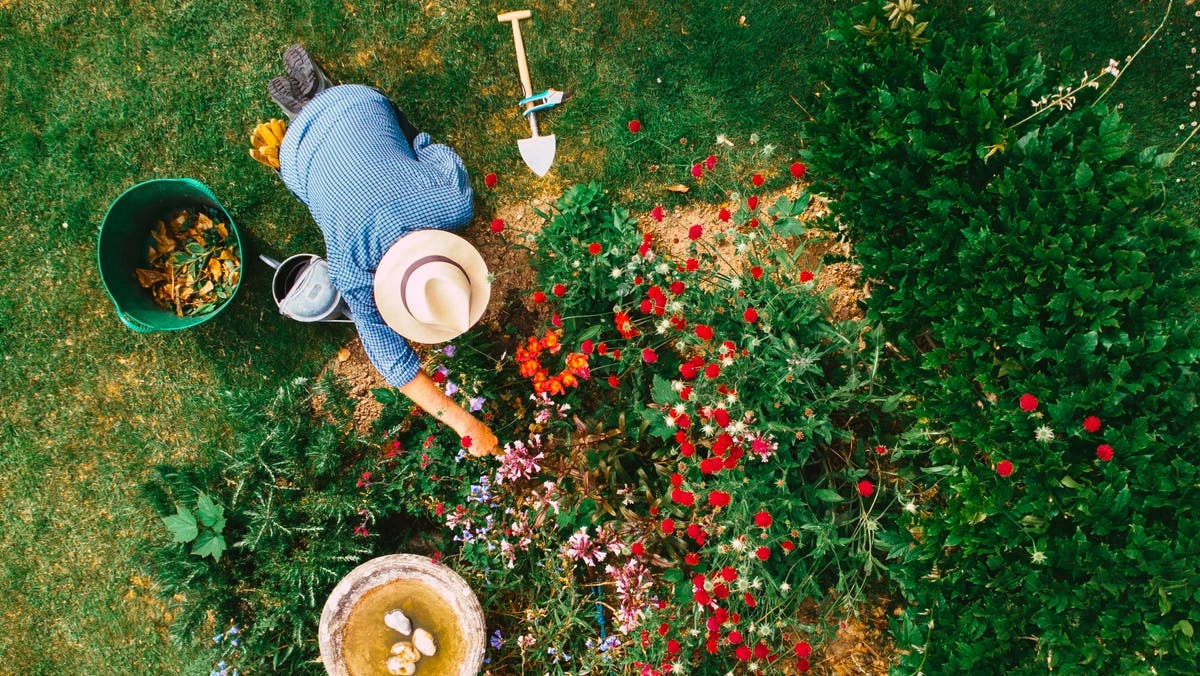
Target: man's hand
426,394
483,442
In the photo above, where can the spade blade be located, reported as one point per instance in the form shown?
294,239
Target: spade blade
538,152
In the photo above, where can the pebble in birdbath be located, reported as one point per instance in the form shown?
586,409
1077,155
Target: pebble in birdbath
406,654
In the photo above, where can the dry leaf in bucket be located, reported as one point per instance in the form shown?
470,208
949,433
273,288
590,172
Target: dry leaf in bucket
194,264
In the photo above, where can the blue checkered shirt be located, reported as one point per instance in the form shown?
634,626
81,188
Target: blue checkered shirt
345,156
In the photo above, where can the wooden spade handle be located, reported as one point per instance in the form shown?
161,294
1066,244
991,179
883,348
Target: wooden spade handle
515,19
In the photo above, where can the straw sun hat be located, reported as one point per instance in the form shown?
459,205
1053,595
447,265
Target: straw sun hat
431,286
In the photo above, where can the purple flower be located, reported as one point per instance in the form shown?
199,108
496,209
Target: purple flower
476,404
451,388
448,350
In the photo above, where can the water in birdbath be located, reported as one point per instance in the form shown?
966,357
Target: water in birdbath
367,641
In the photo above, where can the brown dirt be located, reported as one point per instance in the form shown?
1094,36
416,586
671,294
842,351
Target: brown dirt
859,645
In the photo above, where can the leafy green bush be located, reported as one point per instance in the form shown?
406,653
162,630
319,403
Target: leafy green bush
303,500
1039,300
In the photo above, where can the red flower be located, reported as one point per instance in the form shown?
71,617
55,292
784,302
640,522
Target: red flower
760,650
734,637
881,450
1004,468
498,225
695,232
757,180
657,213
638,549
750,315
559,290
673,646
1028,403
697,170
763,519
719,499
539,297
802,649
490,180
724,215
668,526
677,287
728,574
710,162
787,545
806,277
1104,452
798,169
692,265
466,442
756,272
722,417
802,665
712,370
649,355
750,600
763,553
635,126
1091,424
612,381
704,331
691,559
866,488
556,320
594,248
742,653
752,202
586,346
685,498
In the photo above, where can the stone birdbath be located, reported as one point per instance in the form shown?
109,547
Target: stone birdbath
438,630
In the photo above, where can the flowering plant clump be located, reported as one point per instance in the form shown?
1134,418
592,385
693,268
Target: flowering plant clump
685,483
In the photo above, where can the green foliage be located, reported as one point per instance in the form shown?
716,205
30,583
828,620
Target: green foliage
303,501
1023,258
206,533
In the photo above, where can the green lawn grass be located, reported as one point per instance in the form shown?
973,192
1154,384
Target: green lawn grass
100,96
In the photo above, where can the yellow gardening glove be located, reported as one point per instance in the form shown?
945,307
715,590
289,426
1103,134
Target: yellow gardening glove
265,141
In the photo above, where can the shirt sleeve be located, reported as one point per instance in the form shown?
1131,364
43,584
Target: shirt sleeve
444,161
391,354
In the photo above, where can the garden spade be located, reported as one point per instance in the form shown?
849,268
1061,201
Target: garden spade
537,151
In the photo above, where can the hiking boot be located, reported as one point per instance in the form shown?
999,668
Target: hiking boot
301,67
285,91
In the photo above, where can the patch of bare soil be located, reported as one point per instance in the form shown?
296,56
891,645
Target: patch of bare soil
859,645
840,279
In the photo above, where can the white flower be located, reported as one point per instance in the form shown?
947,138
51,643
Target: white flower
1037,556
768,150
674,306
677,385
785,587
735,283
662,268
910,507
731,398
1044,434
708,429
616,273
723,140
679,408
662,327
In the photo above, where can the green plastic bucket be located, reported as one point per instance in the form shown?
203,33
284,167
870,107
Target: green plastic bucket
122,248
